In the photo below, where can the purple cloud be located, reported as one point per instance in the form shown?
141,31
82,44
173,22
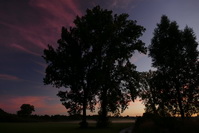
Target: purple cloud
9,77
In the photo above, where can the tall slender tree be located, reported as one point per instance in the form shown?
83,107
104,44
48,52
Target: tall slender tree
174,53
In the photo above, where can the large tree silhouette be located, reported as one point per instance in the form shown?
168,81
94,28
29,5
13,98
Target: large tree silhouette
174,53
115,38
70,66
93,59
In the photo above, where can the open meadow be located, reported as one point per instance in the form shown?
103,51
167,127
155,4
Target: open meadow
58,127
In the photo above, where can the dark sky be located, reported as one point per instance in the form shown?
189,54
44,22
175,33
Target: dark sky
28,26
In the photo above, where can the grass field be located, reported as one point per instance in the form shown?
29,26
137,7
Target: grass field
56,127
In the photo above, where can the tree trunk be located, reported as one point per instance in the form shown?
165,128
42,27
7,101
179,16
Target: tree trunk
180,104
179,98
84,123
162,111
154,109
103,119
153,102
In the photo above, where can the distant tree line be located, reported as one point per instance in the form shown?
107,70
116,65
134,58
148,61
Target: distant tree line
93,62
23,115
8,117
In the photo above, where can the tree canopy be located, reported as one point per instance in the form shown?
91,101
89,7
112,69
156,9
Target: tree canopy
26,110
174,53
93,63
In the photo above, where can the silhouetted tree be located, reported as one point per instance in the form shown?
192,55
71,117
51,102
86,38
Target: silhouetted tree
174,53
26,110
93,58
152,94
148,92
70,66
114,38
2,112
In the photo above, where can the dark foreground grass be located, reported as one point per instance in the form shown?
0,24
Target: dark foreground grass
151,123
55,127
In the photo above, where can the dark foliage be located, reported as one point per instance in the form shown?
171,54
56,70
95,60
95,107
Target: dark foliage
7,117
26,110
151,123
93,59
174,53
151,93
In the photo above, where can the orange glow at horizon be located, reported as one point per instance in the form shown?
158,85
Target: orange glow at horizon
52,106
134,109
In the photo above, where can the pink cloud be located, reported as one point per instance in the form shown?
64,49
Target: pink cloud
44,65
43,104
8,77
40,72
62,12
35,34
28,34
73,6
21,48
55,14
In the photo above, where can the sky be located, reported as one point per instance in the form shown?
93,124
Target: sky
28,26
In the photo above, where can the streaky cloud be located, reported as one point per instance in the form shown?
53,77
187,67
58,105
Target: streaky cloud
61,12
123,4
27,34
21,48
9,77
